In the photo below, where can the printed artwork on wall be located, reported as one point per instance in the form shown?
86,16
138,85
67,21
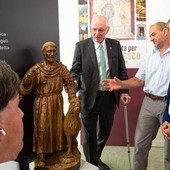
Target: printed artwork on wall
120,15
83,19
140,19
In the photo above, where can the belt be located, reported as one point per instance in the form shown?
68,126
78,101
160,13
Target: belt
103,93
153,97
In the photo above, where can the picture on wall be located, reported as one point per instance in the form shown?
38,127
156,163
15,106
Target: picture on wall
141,19
83,19
120,15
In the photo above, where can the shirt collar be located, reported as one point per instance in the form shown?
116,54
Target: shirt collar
96,44
10,165
156,50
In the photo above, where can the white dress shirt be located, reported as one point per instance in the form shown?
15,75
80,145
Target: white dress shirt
11,165
96,45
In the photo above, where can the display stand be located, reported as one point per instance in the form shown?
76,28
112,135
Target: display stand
87,166
83,166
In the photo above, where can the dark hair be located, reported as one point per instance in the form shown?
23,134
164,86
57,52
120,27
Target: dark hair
9,84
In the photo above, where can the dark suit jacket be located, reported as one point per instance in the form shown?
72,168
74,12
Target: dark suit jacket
85,70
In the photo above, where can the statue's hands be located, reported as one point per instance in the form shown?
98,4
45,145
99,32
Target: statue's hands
112,84
28,78
75,84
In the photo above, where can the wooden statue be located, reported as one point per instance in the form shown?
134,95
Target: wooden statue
46,79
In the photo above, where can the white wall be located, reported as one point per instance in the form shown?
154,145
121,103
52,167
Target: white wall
68,33
68,28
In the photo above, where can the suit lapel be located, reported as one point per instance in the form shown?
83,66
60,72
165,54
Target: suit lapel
92,52
109,54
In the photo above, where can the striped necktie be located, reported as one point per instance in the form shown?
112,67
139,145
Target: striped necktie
102,62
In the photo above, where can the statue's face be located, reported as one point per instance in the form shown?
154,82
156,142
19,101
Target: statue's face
50,54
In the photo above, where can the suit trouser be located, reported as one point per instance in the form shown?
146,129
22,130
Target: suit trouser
95,137
149,120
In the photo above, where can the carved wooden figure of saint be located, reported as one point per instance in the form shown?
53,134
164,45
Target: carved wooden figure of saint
46,80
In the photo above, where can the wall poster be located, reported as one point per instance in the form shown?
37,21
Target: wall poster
127,22
25,26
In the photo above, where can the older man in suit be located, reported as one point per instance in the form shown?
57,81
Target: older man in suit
98,105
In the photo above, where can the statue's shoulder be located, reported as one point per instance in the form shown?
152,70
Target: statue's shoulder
39,66
61,65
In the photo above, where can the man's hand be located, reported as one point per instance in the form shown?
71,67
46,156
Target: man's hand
125,98
112,84
165,127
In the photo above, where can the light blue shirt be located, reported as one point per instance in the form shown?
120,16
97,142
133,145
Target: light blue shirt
155,71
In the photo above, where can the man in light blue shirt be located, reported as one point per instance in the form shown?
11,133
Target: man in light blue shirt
154,74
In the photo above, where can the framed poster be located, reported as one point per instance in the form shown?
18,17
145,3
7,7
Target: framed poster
120,15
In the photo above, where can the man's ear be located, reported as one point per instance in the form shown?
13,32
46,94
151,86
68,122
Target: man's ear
2,132
107,29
